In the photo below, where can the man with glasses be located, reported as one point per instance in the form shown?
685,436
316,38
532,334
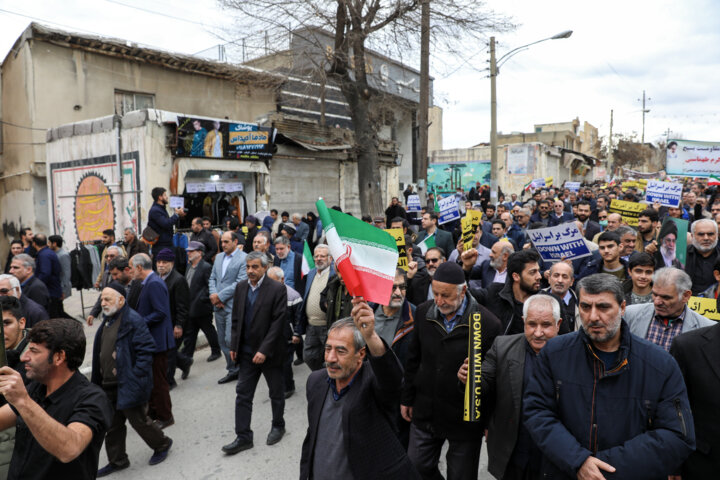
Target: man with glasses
313,321
32,311
559,214
419,279
542,215
108,240
702,254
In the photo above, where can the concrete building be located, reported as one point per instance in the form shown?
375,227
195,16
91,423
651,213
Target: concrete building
52,78
566,135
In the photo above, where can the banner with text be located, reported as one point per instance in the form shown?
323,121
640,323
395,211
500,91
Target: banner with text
707,307
665,193
572,186
413,203
690,158
449,210
628,210
562,242
399,236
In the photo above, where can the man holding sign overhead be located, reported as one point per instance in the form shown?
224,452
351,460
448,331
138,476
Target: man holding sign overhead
431,398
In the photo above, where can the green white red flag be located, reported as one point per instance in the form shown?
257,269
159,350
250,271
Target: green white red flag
308,262
365,256
713,180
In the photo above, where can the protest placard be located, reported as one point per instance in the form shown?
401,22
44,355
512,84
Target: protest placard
665,193
467,232
399,236
177,202
413,203
561,242
448,209
572,186
707,307
628,210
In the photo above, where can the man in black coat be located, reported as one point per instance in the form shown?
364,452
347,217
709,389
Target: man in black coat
431,398
197,276
351,405
505,372
200,234
419,278
698,354
23,267
179,302
590,227
257,346
32,311
394,210
505,300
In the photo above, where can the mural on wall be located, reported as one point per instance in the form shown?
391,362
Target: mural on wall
86,197
447,177
94,208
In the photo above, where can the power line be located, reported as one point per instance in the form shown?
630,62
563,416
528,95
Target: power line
23,126
154,12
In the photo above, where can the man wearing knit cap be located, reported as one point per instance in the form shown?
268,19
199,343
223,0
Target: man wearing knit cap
431,399
122,365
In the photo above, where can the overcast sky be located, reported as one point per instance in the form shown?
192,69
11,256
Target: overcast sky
618,49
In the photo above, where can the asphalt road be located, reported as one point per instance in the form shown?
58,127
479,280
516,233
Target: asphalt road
204,422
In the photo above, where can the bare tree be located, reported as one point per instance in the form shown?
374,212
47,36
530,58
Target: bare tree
458,30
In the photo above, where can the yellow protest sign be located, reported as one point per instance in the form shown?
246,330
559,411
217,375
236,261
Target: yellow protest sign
707,307
549,181
399,236
469,224
630,211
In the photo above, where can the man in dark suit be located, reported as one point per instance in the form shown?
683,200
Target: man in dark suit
23,267
32,311
351,404
200,234
443,239
419,279
257,346
493,270
153,305
505,372
197,276
559,215
179,295
583,214
47,269
698,354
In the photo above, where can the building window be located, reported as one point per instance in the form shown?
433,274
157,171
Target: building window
129,101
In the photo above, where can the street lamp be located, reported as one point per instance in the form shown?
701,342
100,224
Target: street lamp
494,70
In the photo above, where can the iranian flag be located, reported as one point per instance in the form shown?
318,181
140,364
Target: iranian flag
713,180
308,263
365,256
427,244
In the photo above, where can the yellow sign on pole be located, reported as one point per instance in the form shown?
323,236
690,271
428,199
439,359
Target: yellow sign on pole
630,211
397,234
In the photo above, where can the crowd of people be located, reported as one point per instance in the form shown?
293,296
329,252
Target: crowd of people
590,367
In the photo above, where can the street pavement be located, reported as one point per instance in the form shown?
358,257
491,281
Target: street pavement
204,422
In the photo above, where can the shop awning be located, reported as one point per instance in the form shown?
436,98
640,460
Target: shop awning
185,165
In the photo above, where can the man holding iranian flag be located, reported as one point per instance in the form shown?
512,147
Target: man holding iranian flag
365,256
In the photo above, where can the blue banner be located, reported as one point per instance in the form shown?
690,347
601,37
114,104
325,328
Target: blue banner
665,193
562,242
448,209
413,203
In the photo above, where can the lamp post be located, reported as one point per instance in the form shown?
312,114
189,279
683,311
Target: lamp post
494,70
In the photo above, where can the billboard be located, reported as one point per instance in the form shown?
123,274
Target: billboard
199,137
447,177
521,159
690,158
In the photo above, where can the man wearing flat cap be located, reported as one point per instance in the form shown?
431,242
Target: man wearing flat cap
431,398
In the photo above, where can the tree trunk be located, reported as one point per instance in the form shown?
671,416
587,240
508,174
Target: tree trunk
366,148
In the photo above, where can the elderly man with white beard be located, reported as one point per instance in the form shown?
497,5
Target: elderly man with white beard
122,366
702,254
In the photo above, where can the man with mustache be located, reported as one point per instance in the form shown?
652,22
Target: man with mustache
505,373
702,254
590,227
602,400
122,366
419,279
506,300
561,278
431,399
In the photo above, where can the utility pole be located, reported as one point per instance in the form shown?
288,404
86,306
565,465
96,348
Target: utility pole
644,111
611,165
493,125
421,165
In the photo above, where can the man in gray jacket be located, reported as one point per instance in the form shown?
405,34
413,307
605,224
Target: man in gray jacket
505,371
668,316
